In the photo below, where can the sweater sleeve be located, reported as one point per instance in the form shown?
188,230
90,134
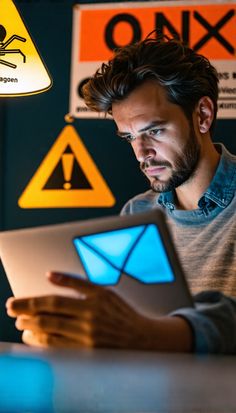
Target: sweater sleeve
213,321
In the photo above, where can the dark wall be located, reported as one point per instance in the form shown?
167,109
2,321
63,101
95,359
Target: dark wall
30,125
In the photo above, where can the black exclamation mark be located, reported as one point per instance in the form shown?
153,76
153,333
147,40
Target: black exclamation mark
67,165
67,174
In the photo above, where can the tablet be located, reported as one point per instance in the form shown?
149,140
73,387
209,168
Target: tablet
132,255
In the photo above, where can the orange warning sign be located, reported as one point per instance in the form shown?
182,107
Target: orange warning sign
210,29
67,177
22,70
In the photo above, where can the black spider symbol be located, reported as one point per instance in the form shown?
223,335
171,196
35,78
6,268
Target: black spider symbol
3,46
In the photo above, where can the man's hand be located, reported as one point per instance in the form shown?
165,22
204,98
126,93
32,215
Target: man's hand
97,318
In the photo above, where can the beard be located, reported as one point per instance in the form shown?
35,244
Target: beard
183,168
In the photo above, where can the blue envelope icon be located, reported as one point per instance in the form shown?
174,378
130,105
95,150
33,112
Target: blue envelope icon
136,251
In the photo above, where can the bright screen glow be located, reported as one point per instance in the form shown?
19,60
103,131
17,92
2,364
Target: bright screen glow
135,251
26,385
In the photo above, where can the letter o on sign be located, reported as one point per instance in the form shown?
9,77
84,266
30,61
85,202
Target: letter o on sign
122,17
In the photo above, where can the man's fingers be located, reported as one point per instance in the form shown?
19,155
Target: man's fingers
73,281
56,303
50,340
9,307
71,328
46,304
48,330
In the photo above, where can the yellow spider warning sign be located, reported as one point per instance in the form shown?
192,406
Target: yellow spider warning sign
67,178
22,71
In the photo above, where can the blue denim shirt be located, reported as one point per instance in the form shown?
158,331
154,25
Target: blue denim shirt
213,320
217,196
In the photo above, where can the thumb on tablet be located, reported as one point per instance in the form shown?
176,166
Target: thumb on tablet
72,281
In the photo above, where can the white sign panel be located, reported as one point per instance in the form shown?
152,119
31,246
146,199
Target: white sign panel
209,28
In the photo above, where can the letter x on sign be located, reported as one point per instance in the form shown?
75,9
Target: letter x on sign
213,31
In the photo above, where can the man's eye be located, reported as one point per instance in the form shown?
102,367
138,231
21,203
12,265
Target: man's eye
155,132
128,138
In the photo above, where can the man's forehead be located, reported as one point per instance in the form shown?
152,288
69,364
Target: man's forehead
139,117
149,97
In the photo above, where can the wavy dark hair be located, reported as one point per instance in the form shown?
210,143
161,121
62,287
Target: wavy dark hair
184,74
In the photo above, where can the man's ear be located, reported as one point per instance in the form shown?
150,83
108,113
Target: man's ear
205,114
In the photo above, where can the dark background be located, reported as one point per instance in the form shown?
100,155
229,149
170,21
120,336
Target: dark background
30,125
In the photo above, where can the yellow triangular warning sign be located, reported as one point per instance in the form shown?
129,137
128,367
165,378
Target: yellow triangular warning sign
22,71
67,178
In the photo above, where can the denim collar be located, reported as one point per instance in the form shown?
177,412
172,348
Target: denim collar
221,189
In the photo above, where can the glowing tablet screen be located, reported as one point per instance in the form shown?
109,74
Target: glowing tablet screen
135,251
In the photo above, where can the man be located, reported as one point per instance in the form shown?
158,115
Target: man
163,98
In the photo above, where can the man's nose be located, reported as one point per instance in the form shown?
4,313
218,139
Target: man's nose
143,149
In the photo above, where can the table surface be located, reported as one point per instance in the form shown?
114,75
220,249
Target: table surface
107,381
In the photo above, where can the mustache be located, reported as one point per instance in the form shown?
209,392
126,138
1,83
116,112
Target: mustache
150,163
